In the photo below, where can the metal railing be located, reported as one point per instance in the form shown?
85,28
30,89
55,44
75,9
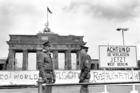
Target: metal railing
41,84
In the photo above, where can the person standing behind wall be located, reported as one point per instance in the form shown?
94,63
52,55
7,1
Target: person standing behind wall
45,66
85,68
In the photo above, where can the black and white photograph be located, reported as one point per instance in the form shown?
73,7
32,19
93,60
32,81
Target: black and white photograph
69,46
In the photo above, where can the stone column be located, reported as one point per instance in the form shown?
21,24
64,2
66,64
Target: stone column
96,66
78,60
11,60
55,59
25,60
68,60
38,58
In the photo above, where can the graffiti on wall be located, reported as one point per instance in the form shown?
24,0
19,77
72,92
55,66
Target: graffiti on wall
67,76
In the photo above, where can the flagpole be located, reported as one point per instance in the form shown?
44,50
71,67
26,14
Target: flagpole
47,29
47,18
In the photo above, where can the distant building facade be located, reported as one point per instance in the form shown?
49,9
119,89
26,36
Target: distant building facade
3,63
95,66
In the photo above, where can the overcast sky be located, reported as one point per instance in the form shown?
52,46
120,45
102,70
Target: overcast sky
96,20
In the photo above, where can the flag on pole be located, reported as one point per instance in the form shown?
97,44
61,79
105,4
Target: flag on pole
49,10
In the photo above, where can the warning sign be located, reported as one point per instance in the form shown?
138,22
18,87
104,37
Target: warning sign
117,56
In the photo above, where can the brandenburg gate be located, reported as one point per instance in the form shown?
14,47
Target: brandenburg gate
33,44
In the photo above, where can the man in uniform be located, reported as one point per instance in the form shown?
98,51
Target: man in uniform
85,69
45,66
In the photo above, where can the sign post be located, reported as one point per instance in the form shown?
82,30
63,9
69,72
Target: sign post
105,86
133,85
117,56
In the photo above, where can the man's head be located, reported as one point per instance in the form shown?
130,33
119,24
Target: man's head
46,45
84,49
